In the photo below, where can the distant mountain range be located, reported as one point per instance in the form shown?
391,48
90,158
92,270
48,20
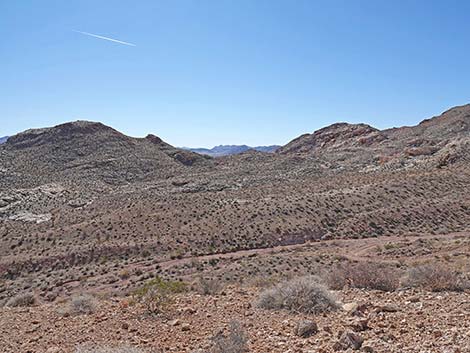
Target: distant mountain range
3,139
226,150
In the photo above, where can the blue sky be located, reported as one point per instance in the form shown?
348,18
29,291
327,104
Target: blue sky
230,72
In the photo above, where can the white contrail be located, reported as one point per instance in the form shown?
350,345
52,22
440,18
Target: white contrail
105,38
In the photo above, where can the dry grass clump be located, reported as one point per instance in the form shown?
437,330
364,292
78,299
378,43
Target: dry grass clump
25,299
263,282
299,295
105,349
236,341
364,275
207,286
82,304
435,278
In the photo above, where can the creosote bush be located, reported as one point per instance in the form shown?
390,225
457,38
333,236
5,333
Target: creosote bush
299,295
157,293
435,278
82,304
366,275
207,286
236,341
25,299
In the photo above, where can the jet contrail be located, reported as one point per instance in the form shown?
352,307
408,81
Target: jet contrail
105,38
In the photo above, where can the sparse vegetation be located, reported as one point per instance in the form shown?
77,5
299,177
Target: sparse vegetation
364,275
206,286
299,295
157,293
25,299
109,213
435,278
82,304
236,341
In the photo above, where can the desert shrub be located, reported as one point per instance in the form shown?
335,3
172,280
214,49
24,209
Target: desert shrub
25,299
364,275
299,295
207,286
236,341
82,304
157,293
435,278
105,349
264,282
124,274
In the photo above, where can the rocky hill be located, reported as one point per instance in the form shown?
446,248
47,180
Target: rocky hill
3,139
89,152
334,137
444,138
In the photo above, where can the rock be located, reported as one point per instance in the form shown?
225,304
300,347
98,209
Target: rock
179,182
77,203
185,327
9,199
359,325
350,308
175,322
348,339
25,216
354,308
53,350
387,308
306,328
189,310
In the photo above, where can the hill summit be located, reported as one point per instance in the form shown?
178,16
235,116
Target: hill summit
91,151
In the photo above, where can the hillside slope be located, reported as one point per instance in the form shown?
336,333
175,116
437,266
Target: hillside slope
89,152
444,139
81,203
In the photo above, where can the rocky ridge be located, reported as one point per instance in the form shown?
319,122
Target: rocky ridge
439,140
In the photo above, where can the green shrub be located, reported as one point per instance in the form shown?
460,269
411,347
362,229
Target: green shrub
157,293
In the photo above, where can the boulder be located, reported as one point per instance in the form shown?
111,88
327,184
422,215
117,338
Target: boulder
306,328
348,340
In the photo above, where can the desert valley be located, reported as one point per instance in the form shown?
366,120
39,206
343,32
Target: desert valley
346,239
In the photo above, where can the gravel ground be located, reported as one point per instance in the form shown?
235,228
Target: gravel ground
403,321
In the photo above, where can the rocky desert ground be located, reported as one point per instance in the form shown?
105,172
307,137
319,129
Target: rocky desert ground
347,239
